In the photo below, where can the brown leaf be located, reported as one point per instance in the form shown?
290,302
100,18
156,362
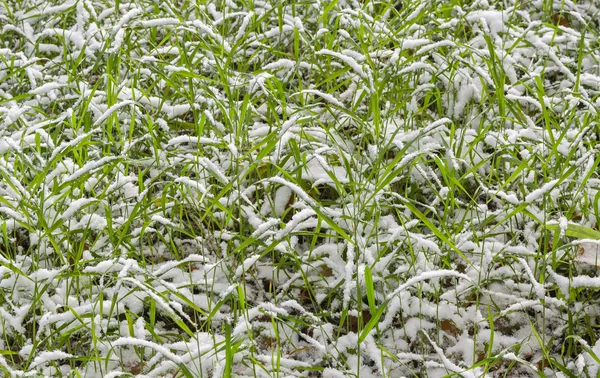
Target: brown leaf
268,342
558,19
353,321
326,271
135,368
449,327
542,364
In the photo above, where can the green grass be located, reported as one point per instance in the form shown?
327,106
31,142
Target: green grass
441,171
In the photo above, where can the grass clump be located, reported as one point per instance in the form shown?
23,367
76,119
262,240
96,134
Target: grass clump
301,188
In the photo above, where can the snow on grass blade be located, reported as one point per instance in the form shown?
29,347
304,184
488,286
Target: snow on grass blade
575,231
302,194
342,188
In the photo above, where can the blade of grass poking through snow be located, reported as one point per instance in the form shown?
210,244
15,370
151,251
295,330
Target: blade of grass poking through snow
490,348
371,323
576,231
435,230
370,289
312,203
228,351
422,277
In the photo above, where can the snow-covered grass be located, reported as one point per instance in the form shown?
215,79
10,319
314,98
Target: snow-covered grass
248,188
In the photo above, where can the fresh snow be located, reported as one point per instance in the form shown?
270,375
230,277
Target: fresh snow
236,189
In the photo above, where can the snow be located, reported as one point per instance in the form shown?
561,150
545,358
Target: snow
326,97
346,59
260,159
449,364
92,222
295,188
125,19
426,276
536,194
193,184
47,10
159,22
187,139
415,13
4,146
282,198
48,87
49,356
75,206
130,341
495,20
118,41
280,64
318,171
13,214
90,167
247,264
162,220
540,291
111,110
214,169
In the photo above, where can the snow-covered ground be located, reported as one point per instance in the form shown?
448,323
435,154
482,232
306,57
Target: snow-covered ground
247,188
